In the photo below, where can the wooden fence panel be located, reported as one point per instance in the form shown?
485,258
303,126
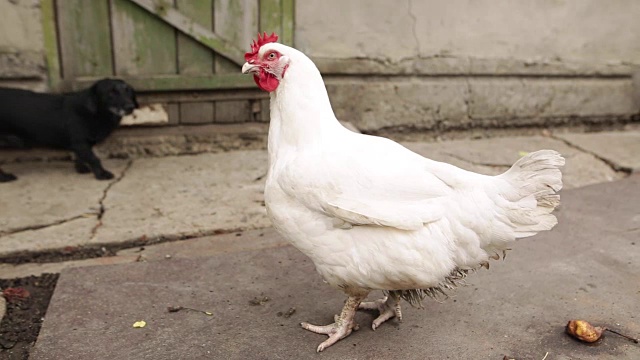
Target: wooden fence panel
142,44
186,52
83,29
196,59
277,16
235,20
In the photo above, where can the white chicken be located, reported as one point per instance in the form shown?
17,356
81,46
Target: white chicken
373,215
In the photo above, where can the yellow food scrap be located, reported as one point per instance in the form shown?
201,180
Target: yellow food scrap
139,324
584,331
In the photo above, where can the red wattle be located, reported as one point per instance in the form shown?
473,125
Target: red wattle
266,81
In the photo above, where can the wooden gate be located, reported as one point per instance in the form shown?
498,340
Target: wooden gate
186,54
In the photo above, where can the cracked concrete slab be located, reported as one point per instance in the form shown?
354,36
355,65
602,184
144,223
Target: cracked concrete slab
50,206
624,155
176,197
582,269
494,156
75,232
49,193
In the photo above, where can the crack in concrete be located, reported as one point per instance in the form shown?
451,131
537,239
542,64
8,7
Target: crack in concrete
615,167
413,26
102,210
44,226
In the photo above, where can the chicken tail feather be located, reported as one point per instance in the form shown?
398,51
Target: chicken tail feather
535,181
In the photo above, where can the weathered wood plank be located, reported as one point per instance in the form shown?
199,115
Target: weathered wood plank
143,44
50,39
84,38
178,20
237,21
197,113
203,95
233,111
287,16
270,16
176,82
195,59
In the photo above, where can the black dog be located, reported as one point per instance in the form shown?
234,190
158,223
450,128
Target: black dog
74,121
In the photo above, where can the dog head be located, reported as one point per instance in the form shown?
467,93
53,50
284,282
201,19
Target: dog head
112,96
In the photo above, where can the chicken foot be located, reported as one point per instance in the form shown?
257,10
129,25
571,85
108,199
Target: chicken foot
388,307
343,324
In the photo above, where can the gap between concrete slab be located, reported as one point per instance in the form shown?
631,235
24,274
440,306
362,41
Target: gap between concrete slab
188,248
99,250
615,167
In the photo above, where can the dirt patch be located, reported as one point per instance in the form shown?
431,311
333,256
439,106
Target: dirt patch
26,306
67,254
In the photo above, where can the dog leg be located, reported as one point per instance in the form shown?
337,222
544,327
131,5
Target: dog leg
81,168
6,177
85,154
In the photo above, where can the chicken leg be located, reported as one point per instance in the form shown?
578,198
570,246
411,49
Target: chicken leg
388,307
343,325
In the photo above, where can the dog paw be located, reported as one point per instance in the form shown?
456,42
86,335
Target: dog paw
5,177
82,168
104,175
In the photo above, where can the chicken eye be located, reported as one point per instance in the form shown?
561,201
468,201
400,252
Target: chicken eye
272,56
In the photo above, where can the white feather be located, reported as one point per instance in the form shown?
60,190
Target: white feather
371,213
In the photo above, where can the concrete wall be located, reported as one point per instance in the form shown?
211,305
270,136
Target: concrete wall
436,64
453,64
22,61
572,30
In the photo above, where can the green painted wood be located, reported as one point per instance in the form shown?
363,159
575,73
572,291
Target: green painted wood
237,21
287,16
270,16
177,82
84,38
178,20
150,54
142,44
195,59
50,39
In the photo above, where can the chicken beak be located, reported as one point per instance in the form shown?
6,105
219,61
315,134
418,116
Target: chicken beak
250,68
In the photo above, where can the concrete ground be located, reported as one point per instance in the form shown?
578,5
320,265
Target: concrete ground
51,209
161,218
586,268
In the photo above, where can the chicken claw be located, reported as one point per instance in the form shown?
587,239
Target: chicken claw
342,327
388,306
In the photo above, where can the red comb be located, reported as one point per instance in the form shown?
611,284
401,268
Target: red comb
262,39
